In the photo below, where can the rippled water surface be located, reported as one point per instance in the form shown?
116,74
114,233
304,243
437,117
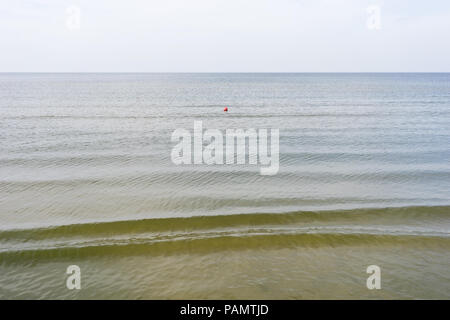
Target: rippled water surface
86,178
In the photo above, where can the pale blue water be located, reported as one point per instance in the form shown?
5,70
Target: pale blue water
96,147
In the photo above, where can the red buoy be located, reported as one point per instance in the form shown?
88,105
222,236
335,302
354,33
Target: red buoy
225,109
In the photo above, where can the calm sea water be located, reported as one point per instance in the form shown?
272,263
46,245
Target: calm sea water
86,178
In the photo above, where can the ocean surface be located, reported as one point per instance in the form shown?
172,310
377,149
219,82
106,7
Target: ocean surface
86,179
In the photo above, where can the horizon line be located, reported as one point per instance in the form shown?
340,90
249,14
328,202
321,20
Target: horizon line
224,72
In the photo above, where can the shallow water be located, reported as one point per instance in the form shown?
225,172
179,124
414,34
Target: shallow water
86,178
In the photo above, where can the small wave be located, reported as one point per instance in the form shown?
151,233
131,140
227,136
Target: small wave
418,226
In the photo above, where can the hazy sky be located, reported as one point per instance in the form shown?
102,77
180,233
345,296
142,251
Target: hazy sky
224,35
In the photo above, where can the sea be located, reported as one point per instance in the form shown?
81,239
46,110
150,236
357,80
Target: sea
87,179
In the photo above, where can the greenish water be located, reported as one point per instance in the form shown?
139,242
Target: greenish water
86,179
293,255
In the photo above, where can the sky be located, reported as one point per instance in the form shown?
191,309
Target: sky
224,36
